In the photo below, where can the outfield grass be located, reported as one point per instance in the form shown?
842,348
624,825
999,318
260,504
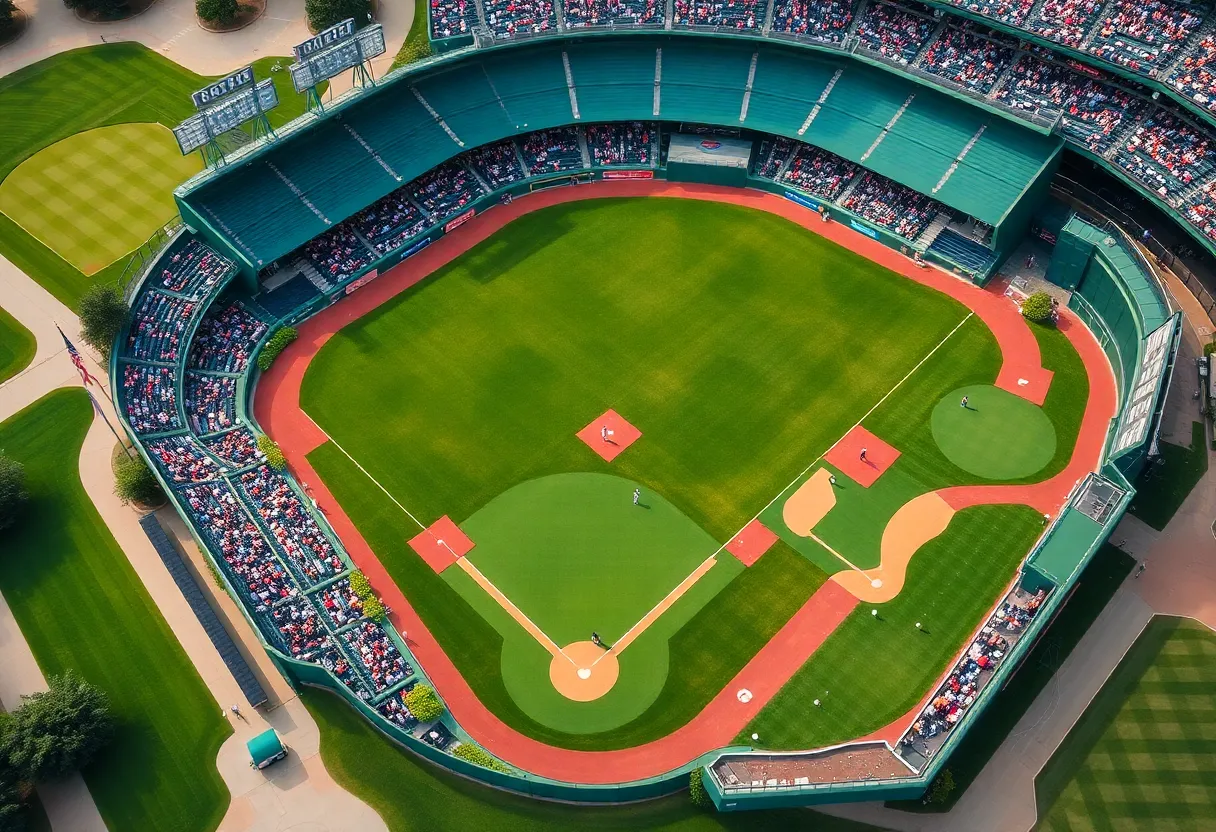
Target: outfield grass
412,795
1143,755
80,605
1162,487
85,89
17,346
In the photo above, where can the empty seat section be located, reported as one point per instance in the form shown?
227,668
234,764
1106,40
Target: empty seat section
532,87
614,81
785,88
858,108
924,142
704,83
996,170
468,104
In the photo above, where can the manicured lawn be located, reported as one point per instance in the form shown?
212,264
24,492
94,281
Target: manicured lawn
1162,487
1097,584
1143,756
80,605
412,795
17,346
81,90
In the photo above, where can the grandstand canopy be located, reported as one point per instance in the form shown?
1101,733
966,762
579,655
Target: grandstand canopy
331,166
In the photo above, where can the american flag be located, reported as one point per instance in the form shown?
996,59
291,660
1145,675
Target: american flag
76,359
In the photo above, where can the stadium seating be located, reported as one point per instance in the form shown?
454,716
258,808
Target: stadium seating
615,82
452,18
818,172
1194,77
730,14
1065,21
619,12
381,663
1013,12
551,151
390,222
238,447
968,58
181,459
339,253
771,156
901,210
498,164
445,191
1144,35
193,271
621,144
300,628
897,32
394,709
150,399
341,604
1166,154
1201,210
307,550
826,20
210,402
508,17
225,341
158,326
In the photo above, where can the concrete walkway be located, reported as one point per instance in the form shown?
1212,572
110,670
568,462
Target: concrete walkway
170,28
297,793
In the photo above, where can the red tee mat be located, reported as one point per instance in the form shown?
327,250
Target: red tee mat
441,544
277,407
751,542
845,456
619,436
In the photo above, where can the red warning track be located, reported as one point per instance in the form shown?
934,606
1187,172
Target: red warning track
277,406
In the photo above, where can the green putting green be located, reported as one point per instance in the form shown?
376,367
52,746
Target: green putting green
574,554
95,196
997,436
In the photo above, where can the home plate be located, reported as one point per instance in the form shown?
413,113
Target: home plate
876,583
744,695
584,673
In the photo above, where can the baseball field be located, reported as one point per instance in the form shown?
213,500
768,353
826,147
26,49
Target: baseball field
607,457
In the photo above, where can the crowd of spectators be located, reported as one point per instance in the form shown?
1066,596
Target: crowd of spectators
732,14
301,628
150,399
625,143
237,446
225,341
450,18
438,736
599,12
774,150
181,459
898,32
967,58
1201,210
1166,154
1013,12
291,526
338,253
158,325
391,221
1065,21
232,535
445,190
1014,616
818,172
383,663
883,202
1093,111
210,402
507,17
394,709
551,151
194,270
1144,35
826,20
341,603
1194,76
497,164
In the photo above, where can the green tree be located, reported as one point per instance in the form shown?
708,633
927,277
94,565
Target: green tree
942,788
373,608
134,482
1037,307
102,313
325,13
696,789
104,9
59,731
12,491
423,703
222,12
7,10
273,453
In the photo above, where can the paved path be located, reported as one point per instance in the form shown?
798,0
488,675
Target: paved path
170,28
298,793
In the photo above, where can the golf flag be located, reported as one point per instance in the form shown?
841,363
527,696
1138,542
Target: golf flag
76,359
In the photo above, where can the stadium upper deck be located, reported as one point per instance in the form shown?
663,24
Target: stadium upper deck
299,187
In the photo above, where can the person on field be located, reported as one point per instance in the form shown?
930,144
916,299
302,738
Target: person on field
963,403
863,455
605,433
637,496
596,640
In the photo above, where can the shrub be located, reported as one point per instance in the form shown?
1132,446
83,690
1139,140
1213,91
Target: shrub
360,585
7,10
104,9
423,703
134,482
273,453
478,756
942,788
1037,308
696,789
59,731
102,313
222,12
325,13
373,608
277,342
13,495
1208,349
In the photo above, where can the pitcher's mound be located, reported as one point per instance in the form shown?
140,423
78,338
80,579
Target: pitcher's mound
583,672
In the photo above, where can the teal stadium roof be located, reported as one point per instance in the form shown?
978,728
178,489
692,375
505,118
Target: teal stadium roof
293,189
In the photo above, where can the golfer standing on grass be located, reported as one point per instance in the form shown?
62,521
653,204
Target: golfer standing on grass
637,496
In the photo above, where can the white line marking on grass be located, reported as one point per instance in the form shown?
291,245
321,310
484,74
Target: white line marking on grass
515,612
375,481
842,558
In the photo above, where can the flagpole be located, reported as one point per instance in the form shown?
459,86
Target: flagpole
103,415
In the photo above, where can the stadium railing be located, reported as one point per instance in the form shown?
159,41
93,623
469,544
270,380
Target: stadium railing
142,259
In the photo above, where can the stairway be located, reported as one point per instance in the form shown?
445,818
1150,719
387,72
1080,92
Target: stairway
1121,139
930,233
582,148
929,41
570,85
314,277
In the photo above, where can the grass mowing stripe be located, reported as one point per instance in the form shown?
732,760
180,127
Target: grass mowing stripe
80,605
17,346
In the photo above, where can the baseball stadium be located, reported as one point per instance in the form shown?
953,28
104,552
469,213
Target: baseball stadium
661,384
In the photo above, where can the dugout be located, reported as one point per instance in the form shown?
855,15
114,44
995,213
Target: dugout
708,159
